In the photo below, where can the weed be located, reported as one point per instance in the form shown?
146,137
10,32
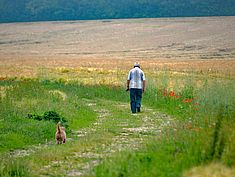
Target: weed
11,167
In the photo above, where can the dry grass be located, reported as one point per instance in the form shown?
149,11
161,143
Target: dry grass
30,67
211,170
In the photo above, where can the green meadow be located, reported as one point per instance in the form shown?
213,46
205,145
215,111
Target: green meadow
186,126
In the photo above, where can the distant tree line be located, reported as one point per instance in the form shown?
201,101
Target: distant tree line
47,10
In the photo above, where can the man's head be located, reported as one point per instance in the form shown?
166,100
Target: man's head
136,64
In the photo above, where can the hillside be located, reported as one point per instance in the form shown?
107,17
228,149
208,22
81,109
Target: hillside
44,10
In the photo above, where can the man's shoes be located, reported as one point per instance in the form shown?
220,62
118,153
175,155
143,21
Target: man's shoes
138,109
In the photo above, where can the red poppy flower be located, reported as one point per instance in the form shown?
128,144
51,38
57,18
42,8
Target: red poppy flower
176,96
196,103
187,100
165,93
172,94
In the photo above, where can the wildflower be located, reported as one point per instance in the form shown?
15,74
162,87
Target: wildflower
172,94
187,100
196,103
197,106
176,96
165,93
189,126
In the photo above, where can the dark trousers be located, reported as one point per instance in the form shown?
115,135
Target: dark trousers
135,97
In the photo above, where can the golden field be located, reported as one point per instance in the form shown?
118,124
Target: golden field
204,45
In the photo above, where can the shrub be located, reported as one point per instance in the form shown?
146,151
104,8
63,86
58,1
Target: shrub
49,116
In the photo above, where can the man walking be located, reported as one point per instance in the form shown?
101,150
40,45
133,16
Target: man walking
136,83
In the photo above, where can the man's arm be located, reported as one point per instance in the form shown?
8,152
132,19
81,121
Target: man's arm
144,85
144,82
127,86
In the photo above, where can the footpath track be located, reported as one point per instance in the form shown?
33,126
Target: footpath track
129,132
114,130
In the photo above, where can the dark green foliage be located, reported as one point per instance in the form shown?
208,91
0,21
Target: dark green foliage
44,10
54,116
50,116
34,116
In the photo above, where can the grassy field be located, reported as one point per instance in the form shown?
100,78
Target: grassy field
183,124
187,123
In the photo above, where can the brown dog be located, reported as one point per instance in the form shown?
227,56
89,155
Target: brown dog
60,135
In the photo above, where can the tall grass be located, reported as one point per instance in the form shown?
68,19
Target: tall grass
10,167
166,157
204,133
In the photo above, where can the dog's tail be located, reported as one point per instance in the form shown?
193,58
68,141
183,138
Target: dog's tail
58,127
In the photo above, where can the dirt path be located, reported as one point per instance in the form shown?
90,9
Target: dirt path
123,131
131,132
